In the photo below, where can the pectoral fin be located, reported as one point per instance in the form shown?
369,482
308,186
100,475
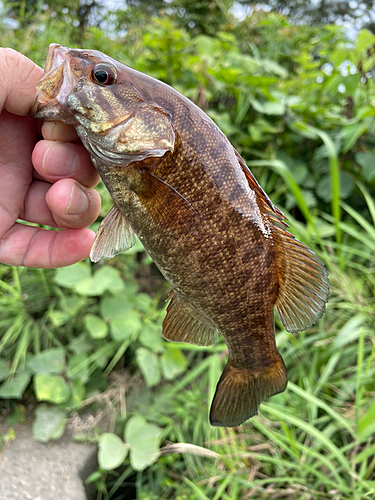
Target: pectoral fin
113,236
183,324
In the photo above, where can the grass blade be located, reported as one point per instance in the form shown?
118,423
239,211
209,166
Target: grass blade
334,171
309,429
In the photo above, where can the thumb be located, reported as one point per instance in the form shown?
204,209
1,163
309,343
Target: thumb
18,79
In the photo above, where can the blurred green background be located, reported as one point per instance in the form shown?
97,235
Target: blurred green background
293,90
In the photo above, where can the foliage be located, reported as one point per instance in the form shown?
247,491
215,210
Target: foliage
298,104
77,14
359,14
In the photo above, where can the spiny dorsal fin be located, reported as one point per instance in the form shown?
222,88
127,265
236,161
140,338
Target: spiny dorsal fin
262,196
113,236
183,324
303,279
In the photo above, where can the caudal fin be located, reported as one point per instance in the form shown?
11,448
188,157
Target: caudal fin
241,390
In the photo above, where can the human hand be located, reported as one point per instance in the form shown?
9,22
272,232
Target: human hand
47,182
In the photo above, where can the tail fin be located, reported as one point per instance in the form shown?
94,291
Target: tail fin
241,390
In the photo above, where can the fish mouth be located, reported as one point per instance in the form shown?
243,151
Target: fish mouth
53,90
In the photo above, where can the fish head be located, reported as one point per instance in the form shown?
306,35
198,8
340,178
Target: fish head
99,96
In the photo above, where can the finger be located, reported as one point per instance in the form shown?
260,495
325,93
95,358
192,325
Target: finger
64,199
34,247
72,205
58,131
19,76
35,206
55,160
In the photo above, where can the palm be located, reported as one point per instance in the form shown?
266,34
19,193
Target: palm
16,170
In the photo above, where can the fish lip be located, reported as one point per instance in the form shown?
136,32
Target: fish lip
56,84
51,49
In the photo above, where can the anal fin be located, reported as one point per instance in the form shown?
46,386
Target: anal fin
113,236
182,324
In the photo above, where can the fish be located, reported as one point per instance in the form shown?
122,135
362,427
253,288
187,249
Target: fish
179,185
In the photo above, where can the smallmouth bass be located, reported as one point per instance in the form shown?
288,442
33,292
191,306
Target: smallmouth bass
181,187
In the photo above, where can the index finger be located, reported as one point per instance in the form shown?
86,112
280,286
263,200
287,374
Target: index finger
19,77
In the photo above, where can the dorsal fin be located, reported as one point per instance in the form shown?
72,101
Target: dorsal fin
303,279
262,196
303,283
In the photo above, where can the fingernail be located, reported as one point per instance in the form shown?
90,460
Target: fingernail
60,159
78,203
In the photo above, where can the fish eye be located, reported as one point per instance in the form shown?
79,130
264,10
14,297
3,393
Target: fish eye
103,74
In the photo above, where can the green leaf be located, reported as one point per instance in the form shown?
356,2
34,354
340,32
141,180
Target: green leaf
94,477
51,388
78,367
4,369
123,328
96,327
106,278
206,45
144,441
142,301
351,133
338,56
351,83
324,189
58,318
78,393
70,276
367,162
48,424
150,336
112,451
365,39
48,361
115,307
86,287
15,387
110,279
269,107
274,67
148,363
173,362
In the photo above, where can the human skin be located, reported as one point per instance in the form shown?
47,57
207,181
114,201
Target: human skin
46,177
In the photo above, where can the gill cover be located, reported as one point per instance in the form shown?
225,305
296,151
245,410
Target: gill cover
114,120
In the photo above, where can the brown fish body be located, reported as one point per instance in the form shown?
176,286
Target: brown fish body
177,182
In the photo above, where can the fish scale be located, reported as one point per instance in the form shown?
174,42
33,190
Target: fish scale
178,183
